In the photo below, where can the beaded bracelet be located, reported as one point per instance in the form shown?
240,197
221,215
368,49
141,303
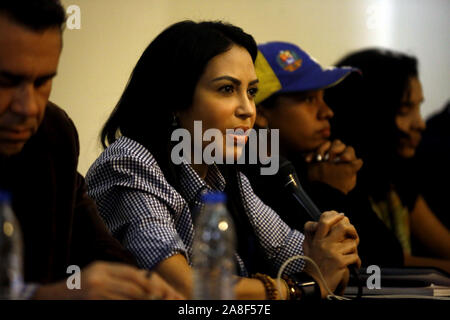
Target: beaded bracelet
269,286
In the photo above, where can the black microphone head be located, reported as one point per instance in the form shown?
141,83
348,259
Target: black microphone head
284,165
288,174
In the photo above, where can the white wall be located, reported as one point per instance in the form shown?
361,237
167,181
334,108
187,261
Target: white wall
98,59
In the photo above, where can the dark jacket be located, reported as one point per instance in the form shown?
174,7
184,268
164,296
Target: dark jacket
59,221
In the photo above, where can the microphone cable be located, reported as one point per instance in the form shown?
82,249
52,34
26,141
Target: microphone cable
305,201
330,295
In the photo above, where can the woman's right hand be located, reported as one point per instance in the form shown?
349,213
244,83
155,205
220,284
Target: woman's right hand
332,243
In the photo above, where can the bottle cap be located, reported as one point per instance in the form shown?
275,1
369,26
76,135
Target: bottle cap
5,196
214,197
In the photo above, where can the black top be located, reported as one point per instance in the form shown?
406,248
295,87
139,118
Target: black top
377,243
433,160
431,168
60,223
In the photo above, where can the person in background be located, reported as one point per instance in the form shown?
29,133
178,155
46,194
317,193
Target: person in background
433,157
201,72
379,114
291,99
38,166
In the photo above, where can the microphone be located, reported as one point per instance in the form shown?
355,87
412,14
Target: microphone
291,182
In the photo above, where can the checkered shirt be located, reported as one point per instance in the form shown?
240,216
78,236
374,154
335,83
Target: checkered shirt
154,221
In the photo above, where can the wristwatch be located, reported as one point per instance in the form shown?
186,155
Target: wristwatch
306,286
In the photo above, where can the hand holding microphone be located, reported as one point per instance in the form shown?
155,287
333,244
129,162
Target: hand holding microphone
332,244
330,239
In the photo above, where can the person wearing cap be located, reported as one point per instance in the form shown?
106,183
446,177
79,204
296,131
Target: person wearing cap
291,99
39,151
291,94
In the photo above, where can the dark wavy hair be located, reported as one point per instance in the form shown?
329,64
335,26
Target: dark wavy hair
365,106
36,15
163,82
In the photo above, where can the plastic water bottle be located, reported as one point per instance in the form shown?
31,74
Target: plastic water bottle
213,250
11,251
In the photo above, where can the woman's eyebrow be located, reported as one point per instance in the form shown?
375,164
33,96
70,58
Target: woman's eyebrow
234,80
229,78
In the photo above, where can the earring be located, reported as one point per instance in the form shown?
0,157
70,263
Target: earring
174,121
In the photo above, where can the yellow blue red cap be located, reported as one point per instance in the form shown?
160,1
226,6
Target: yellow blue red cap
284,67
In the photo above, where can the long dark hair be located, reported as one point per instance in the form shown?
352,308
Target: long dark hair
164,81
365,106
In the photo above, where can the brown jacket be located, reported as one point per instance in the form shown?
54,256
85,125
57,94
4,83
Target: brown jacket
60,223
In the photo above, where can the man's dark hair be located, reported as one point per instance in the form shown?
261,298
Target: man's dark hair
36,15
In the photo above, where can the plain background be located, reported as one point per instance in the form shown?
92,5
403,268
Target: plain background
98,58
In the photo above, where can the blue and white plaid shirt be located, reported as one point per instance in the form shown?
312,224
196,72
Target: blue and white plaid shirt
154,221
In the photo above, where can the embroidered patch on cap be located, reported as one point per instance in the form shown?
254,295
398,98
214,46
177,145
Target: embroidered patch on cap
289,60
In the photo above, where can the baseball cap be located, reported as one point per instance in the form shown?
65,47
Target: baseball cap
283,67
